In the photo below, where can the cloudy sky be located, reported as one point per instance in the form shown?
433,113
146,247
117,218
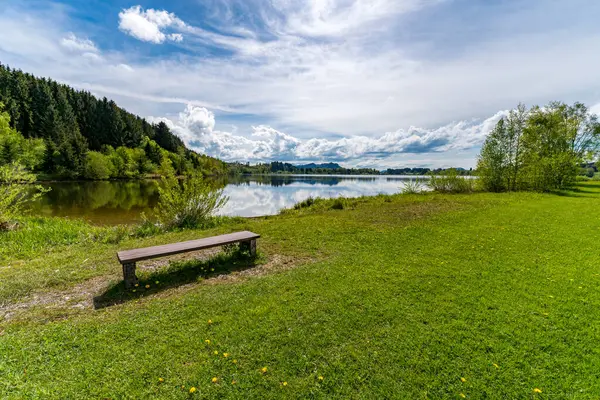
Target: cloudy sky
378,83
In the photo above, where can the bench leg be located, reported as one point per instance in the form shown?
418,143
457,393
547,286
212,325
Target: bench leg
249,246
129,275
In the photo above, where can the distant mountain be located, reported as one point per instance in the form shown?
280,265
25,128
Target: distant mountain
323,166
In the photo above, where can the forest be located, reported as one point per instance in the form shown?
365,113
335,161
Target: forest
62,133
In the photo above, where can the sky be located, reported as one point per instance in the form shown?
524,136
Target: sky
366,83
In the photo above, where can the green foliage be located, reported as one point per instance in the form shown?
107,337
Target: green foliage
413,186
501,157
338,204
14,193
59,125
304,203
98,166
451,181
14,148
187,203
538,149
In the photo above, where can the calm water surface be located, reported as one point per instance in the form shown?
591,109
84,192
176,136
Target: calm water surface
121,202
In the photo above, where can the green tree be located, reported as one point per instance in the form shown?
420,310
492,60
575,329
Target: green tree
539,149
98,166
501,158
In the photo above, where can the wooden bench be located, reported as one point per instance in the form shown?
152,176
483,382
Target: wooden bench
128,258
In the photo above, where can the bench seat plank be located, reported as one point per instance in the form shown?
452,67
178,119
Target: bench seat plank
131,256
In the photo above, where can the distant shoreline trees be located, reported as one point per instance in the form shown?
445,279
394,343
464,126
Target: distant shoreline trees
539,149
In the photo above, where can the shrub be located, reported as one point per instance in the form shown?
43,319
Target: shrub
305,203
190,203
15,192
413,186
97,166
450,181
338,204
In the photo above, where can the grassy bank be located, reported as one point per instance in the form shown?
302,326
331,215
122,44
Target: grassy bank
418,296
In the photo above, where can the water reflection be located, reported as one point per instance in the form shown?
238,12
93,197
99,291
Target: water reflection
118,202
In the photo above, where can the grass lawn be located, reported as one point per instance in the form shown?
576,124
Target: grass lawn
410,297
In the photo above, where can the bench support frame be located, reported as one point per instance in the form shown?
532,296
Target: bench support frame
129,275
249,246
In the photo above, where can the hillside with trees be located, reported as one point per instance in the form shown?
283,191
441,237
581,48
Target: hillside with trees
61,132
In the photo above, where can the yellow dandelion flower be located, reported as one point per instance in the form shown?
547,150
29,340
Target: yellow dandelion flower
210,321
463,380
536,390
147,286
225,355
137,284
284,383
207,341
161,380
214,380
463,395
321,378
495,365
233,382
216,353
264,370
192,389
234,361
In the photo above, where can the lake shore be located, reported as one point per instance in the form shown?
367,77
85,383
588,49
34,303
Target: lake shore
123,202
404,296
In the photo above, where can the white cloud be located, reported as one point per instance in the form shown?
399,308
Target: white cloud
125,67
321,70
148,25
196,126
176,37
72,43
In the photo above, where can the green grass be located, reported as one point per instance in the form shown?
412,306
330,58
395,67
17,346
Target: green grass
388,297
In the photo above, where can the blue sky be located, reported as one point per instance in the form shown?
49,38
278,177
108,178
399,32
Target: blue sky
382,83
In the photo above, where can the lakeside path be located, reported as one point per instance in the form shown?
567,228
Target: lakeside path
422,296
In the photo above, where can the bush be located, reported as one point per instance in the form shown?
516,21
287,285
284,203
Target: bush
190,203
450,181
15,192
97,166
413,186
304,203
338,204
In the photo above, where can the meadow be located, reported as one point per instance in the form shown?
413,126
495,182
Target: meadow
421,296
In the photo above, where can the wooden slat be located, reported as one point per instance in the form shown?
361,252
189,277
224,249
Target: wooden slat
129,256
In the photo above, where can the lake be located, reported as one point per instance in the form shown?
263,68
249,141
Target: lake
122,202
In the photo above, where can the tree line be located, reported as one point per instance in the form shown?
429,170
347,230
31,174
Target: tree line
540,148
278,167
61,132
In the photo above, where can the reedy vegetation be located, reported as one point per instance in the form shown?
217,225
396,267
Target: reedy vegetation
188,203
